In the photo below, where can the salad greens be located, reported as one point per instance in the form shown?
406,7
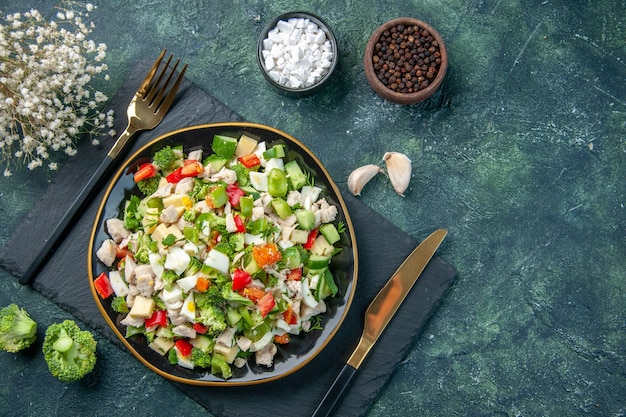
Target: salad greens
223,256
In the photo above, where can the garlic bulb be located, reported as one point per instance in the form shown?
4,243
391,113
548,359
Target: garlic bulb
399,170
361,176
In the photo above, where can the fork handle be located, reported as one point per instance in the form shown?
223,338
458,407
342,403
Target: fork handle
88,190
120,143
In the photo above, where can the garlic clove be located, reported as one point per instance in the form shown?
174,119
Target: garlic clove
361,176
399,170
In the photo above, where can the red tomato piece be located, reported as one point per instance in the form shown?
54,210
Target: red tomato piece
294,274
234,194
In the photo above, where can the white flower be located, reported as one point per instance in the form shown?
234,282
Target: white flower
45,71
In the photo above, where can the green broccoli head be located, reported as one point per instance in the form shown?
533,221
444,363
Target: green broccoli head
169,277
17,329
167,158
149,186
212,296
69,351
200,358
214,318
119,305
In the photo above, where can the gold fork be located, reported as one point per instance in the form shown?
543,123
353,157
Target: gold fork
145,111
150,103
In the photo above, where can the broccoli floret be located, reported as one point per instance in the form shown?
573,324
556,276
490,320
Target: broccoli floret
144,247
214,318
200,189
212,296
118,304
169,278
210,312
200,358
243,174
231,244
69,351
195,265
149,185
17,329
131,222
166,158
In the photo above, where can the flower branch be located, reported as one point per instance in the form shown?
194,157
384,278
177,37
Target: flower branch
45,72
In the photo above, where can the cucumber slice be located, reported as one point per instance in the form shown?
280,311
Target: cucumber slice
306,219
318,261
276,151
329,231
224,146
292,258
296,176
281,208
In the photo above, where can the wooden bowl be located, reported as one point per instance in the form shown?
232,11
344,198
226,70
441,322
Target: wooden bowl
382,87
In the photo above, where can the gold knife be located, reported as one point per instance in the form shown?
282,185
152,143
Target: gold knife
378,315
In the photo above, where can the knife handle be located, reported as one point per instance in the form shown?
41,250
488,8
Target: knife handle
335,393
79,202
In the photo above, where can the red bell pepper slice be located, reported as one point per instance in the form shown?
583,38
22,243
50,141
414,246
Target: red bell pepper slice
184,347
145,171
158,318
234,194
311,239
103,286
266,304
241,227
175,176
294,274
200,328
249,161
241,278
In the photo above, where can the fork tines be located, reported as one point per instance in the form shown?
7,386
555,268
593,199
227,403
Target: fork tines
155,91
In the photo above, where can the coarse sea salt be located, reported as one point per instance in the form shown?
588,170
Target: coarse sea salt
297,53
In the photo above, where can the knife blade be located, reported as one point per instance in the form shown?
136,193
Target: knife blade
379,314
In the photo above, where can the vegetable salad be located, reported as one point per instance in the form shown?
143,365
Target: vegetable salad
223,256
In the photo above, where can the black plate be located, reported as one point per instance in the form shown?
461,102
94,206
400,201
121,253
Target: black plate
302,348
